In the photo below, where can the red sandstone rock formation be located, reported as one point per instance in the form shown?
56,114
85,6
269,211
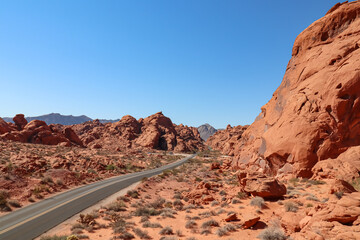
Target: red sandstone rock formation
36,131
154,132
227,140
315,113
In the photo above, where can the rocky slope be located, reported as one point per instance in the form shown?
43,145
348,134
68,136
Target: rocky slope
153,132
314,114
206,131
226,139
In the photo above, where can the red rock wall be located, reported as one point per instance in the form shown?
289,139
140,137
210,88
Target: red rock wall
315,112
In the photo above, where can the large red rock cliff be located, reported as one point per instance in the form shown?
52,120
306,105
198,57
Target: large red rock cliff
315,113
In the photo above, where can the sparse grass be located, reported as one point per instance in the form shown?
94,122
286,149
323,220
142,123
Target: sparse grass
258,202
291,207
158,203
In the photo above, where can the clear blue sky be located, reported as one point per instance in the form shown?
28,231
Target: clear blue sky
198,61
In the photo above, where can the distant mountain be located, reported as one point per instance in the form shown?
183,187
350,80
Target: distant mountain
206,131
108,120
54,118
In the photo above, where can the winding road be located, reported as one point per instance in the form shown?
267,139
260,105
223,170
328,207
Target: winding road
35,219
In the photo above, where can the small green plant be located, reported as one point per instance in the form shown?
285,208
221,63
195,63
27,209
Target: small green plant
110,167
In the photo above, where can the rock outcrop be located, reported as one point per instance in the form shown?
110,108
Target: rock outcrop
37,131
314,115
154,132
227,140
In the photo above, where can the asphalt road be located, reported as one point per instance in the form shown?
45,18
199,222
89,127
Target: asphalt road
35,219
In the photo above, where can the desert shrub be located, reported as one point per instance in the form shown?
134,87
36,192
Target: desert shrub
191,238
4,195
242,195
14,203
291,207
210,223
190,206
141,234
309,205
168,238
229,227
221,232
118,206
312,198
316,182
59,182
190,224
294,181
257,202
158,203
47,180
272,233
339,194
110,167
221,210
148,224
55,237
72,237
82,236
145,211
235,201
177,196
205,231
144,218
179,233
30,199
222,193
126,236
167,214
119,226
214,203
166,231
77,226
133,193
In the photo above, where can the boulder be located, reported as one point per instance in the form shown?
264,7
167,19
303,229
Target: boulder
260,185
20,121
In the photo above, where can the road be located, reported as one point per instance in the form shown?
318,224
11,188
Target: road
35,219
